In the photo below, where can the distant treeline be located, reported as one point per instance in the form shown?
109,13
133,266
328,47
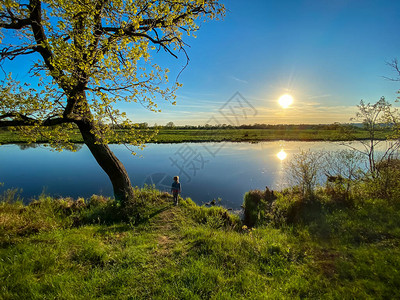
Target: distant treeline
333,126
171,125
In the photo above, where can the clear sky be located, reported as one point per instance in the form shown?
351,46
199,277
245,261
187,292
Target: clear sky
327,54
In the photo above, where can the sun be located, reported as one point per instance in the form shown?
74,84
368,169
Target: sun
285,100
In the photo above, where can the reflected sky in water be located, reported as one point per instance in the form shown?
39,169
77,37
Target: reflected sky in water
207,170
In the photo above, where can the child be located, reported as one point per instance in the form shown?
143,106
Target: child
176,189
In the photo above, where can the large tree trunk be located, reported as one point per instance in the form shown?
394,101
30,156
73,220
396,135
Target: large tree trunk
115,170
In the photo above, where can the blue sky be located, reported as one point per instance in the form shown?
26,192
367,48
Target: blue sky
328,54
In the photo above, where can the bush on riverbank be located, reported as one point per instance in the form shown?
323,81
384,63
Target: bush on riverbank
293,206
93,248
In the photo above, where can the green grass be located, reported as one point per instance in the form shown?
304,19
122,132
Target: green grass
181,135
64,249
241,135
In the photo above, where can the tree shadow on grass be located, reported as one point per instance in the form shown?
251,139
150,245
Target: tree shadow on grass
113,215
144,218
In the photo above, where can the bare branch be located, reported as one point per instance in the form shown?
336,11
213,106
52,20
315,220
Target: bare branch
395,66
11,54
100,88
187,62
161,42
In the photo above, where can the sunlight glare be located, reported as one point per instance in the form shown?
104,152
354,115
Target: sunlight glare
282,155
285,100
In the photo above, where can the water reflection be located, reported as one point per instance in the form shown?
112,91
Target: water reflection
235,169
282,155
160,181
26,146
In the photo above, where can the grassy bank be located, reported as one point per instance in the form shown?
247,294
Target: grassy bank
94,249
180,135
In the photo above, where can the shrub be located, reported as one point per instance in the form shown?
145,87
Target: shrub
18,220
96,201
256,206
148,200
387,182
343,170
287,207
304,171
214,217
11,195
338,190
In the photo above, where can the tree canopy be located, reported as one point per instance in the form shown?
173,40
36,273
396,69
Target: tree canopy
101,49
90,55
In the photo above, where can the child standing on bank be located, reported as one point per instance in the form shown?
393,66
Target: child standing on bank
176,189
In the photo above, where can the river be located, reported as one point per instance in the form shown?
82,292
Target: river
207,170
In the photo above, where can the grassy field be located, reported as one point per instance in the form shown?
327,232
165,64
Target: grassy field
180,135
94,249
242,135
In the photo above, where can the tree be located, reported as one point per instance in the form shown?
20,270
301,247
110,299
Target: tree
380,121
305,171
342,169
170,125
394,64
92,54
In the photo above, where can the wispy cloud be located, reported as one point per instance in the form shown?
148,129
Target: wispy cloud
319,96
199,112
238,79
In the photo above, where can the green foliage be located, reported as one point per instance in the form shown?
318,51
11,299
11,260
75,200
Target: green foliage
214,217
386,184
305,170
378,119
193,252
285,208
344,170
147,202
100,210
256,206
11,195
89,56
18,220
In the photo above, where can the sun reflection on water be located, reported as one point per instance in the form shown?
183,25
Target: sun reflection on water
282,155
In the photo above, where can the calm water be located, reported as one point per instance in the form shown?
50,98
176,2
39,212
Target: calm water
207,171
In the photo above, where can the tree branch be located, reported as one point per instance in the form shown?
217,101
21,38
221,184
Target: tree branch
15,23
129,31
41,41
395,66
97,30
154,23
161,42
11,54
57,121
22,120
